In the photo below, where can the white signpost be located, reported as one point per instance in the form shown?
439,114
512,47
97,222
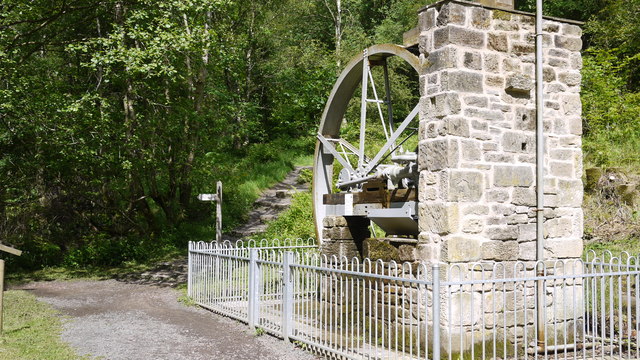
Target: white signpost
217,198
12,251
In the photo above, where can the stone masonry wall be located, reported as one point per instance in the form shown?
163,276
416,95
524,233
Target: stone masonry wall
477,135
477,153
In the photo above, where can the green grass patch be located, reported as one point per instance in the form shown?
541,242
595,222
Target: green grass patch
31,330
293,223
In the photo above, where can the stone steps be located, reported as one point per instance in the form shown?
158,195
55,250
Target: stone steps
268,206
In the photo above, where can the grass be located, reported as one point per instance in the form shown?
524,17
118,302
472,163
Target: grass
31,330
293,223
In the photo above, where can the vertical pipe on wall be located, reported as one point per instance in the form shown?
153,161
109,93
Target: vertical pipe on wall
539,174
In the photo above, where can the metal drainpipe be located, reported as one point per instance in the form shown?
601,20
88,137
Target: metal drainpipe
539,177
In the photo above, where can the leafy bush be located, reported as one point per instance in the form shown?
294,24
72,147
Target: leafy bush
611,113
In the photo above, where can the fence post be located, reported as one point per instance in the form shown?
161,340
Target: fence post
287,295
189,270
254,297
435,270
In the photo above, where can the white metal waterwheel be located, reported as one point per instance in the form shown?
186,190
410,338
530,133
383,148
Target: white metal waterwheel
357,167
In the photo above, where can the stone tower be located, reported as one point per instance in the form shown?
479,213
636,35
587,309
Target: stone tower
477,197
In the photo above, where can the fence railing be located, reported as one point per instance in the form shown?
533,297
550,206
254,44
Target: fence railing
375,310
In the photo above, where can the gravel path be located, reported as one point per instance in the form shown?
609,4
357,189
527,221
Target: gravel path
116,320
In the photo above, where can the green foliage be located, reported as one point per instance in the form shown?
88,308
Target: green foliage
611,129
31,330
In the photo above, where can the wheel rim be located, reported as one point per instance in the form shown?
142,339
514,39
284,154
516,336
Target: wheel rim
356,73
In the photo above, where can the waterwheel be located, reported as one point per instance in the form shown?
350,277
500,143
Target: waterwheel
365,162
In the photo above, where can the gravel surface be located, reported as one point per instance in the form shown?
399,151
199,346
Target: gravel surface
116,320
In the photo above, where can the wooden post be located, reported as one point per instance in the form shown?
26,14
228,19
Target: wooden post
9,250
217,197
219,212
1,291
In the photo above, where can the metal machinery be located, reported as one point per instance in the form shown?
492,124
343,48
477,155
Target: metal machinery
365,177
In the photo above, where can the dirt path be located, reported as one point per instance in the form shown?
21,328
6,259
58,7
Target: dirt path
138,316
117,320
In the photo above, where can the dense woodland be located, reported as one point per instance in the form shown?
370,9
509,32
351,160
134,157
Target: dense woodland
115,114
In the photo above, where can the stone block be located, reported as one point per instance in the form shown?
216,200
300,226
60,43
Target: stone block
548,74
570,193
473,225
558,62
463,81
570,104
494,81
522,48
524,197
472,60
475,209
328,221
572,78
485,114
525,118
429,253
375,249
503,209
444,58
502,232
459,36
558,228
500,250
438,154
526,232
518,142
498,42
407,253
491,63
470,150
339,248
464,248
457,126
519,83
511,64
339,221
574,125
451,13
445,104
515,175
575,60
562,169
573,30
497,195
564,248
527,251
438,218
480,18
568,42
550,27
477,101
427,19
465,185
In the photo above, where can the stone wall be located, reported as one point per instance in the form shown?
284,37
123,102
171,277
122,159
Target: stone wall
477,135
477,153
344,236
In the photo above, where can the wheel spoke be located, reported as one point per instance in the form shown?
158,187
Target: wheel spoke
377,101
387,91
363,107
392,140
328,146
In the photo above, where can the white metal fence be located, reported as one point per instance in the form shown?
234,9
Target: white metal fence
374,310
